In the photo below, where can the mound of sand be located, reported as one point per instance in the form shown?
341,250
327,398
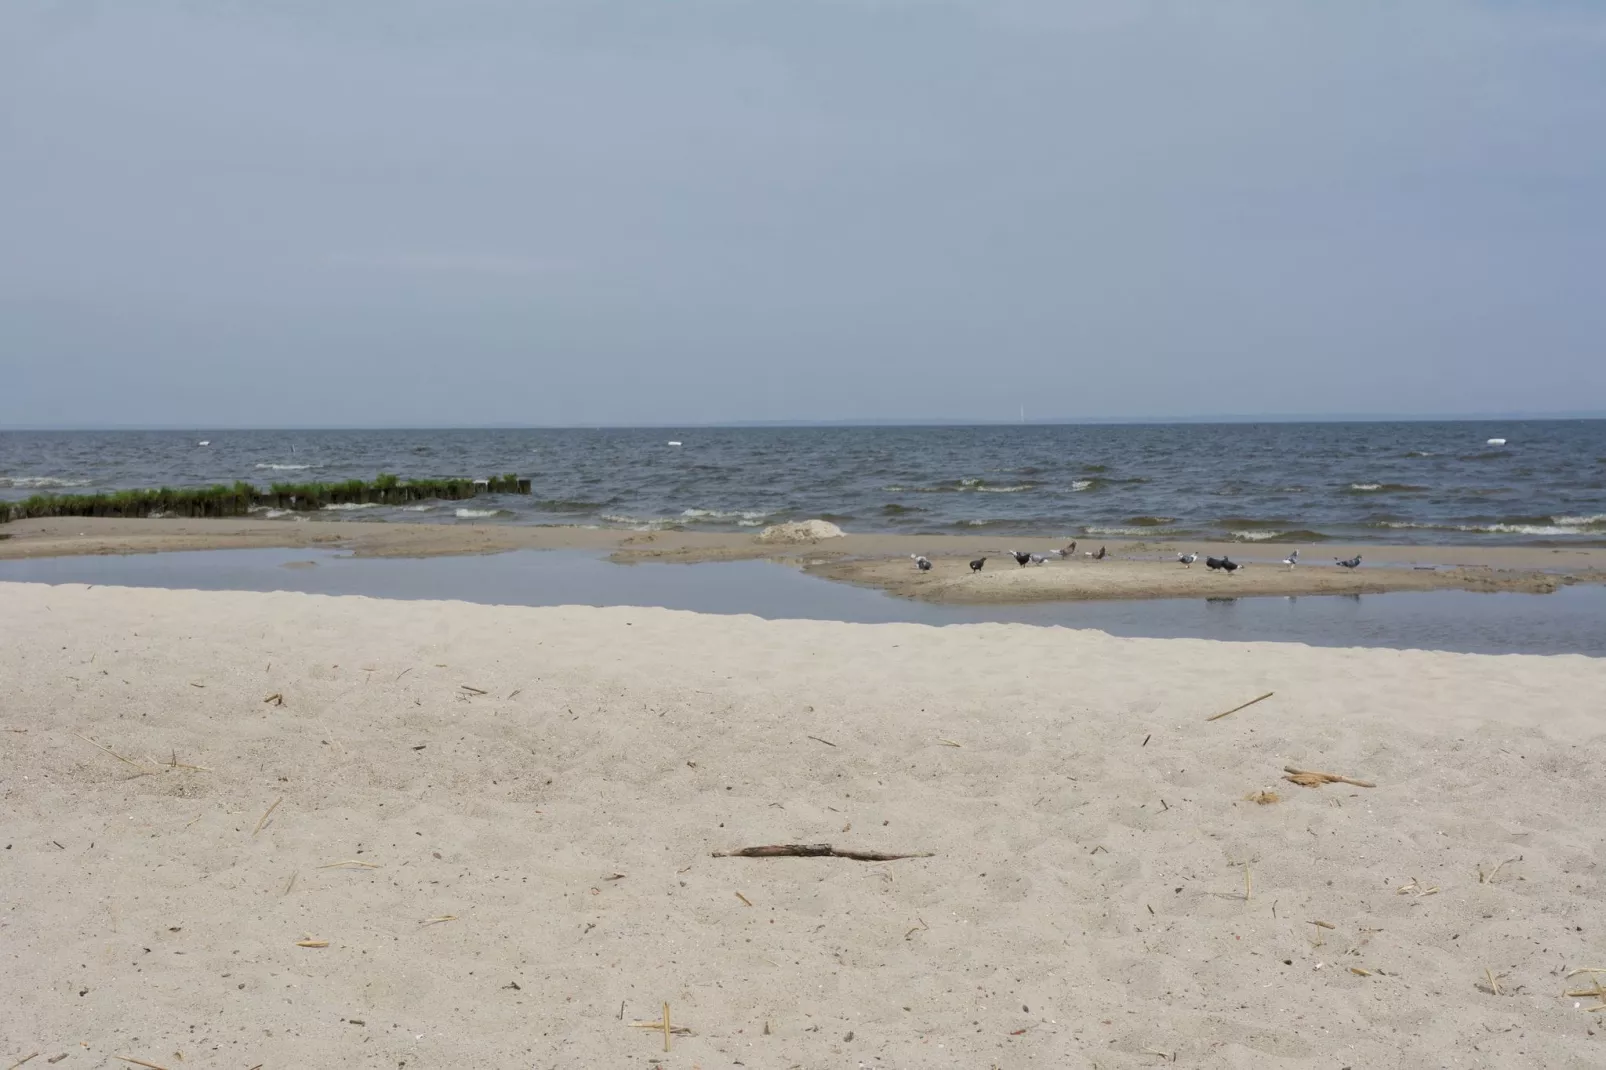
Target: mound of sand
800,531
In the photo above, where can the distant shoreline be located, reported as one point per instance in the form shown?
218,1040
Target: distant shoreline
1134,568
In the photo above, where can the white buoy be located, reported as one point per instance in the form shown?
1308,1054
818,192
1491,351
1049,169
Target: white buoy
1495,442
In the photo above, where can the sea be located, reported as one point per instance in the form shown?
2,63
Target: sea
1540,482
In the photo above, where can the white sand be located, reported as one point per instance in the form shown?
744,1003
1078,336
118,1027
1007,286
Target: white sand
1085,907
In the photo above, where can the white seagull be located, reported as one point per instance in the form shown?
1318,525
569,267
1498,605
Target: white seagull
1291,560
1187,559
922,562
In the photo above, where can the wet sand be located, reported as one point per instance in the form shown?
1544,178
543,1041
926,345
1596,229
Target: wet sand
1135,568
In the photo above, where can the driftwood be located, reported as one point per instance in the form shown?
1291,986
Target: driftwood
816,850
1307,778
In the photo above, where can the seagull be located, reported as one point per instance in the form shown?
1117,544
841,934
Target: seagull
975,566
1354,562
1291,560
1213,563
1037,559
1187,559
1020,559
1100,555
1069,551
1230,566
922,562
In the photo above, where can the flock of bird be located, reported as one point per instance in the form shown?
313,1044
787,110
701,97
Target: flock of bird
1214,564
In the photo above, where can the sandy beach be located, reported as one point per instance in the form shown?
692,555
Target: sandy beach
1134,569
295,831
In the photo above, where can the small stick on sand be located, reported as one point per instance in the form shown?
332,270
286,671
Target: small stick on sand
1587,969
139,1062
816,850
349,862
949,743
1310,778
1489,878
827,742
1360,971
267,814
309,942
1494,986
113,753
473,690
1249,884
276,699
1324,924
1245,706
22,1060
746,902
437,921
289,885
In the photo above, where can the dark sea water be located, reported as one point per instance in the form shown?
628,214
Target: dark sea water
1282,482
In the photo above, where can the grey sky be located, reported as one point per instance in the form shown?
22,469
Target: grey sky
505,211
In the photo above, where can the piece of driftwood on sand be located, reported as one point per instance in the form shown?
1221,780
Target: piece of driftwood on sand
816,850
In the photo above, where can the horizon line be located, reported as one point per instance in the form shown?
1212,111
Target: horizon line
869,422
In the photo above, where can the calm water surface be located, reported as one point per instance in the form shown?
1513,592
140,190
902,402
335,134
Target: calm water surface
1570,621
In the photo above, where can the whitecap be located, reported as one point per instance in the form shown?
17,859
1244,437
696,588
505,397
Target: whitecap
1254,536
472,514
1081,484
41,482
285,467
1366,486
1157,531
342,507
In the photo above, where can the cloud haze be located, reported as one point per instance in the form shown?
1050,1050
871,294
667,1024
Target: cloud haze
501,212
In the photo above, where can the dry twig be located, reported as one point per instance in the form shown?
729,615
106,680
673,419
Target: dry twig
267,814
1309,778
1245,706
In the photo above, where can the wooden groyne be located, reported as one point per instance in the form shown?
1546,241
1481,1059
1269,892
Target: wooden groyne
239,499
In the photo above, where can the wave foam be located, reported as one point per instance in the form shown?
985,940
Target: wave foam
344,507
41,482
475,514
285,467
1254,536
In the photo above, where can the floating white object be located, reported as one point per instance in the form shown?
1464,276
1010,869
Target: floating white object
204,442
672,442
1495,442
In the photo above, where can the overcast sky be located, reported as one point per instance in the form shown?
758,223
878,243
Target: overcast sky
405,212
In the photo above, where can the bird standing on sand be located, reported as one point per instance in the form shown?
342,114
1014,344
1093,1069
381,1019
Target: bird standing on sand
1229,567
975,566
1291,560
1020,559
1187,559
1214,563
1069,551
1038,559
1100,555
922,562
1354,562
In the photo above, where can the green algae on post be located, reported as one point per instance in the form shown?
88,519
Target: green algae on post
240,498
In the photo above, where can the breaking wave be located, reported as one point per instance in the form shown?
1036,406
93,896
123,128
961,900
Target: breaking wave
41,482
